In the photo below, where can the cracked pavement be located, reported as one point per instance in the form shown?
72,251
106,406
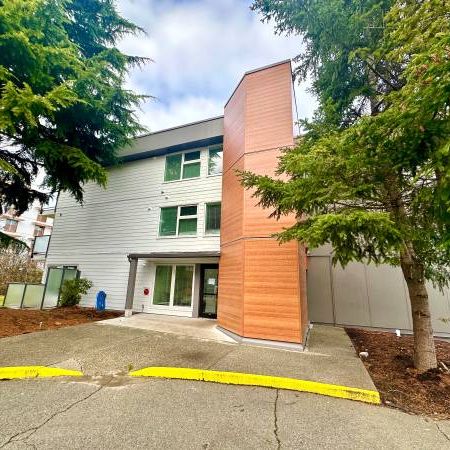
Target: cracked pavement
116,411
106,409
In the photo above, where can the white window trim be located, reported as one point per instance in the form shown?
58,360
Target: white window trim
184,163
177,235
171,306
210,233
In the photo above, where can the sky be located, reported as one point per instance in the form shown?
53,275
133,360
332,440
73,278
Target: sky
200,50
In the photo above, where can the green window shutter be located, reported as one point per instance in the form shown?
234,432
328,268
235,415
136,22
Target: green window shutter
173,168
163,281
215,160
187,227
168,221
183,286
191,170
213,218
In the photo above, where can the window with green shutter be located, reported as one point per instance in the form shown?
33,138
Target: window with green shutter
163,281
168,221
182,295
182,166
173,285
173,167
178,221
212,222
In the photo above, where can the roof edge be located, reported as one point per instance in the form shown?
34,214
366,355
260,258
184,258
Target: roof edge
206,142
163,255
179,126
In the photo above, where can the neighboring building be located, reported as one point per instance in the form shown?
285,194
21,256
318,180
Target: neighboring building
33,227
176,233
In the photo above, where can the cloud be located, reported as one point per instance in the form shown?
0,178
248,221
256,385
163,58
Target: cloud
200,48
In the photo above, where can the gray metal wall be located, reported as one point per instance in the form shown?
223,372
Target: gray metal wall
366,295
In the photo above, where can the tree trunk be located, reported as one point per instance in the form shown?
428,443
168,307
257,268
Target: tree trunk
424,350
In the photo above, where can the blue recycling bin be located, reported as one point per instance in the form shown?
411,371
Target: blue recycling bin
101,301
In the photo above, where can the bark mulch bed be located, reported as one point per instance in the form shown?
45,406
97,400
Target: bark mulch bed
391,367
21,321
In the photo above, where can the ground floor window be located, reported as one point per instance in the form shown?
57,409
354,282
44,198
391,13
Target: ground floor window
173,285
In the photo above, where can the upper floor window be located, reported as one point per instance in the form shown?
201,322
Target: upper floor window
215,160
182,166
11,225
178,221
212,222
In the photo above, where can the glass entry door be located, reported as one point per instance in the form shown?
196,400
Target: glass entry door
208,291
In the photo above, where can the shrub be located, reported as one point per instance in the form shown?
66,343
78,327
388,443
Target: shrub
72,290
18,268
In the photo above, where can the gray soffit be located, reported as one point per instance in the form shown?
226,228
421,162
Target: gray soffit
162,255
189,136
173,149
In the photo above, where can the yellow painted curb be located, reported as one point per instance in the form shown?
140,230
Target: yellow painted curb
247,379
10,373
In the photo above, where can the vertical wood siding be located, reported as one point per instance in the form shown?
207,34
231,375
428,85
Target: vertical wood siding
265,302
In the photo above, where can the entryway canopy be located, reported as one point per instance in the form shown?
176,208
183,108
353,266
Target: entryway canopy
133,258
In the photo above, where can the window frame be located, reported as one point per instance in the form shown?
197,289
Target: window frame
179,217
171,304
211,233
184,163
212,148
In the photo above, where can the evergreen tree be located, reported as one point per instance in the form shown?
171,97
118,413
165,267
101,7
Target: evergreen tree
371,174
63,105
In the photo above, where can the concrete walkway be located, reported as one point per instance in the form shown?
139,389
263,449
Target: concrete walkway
186,326
105,349
107,409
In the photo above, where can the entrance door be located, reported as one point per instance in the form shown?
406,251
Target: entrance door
208,292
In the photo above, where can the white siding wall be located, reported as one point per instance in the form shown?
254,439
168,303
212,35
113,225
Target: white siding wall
124,219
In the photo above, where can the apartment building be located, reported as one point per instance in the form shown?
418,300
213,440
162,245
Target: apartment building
176,233
33,227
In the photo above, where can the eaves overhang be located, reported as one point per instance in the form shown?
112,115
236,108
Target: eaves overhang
170,255
215,140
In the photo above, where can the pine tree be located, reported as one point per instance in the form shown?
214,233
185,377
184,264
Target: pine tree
63,105
371,174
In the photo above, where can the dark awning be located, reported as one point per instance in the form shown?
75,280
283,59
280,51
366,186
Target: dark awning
158,255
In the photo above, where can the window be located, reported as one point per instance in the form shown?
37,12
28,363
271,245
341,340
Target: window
41,244
212,222
11,226
215,160
182,295
182,166
178,221
163,280
38,230
173,285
